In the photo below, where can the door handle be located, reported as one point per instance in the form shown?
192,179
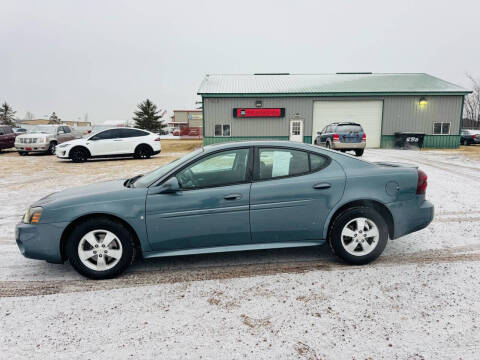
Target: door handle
232,197
322,186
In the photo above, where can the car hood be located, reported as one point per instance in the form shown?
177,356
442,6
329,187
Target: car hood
33,135
74,142
87,193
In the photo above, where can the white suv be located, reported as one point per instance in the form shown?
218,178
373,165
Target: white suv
115,142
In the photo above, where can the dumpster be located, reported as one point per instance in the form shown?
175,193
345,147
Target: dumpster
409,140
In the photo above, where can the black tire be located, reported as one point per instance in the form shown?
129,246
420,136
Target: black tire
335,237
51,148
327,145
343,151
22,153
359,152
78,155
466,142
121,233
143,151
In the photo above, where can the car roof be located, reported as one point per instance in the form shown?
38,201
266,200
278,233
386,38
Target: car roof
273,143
345,123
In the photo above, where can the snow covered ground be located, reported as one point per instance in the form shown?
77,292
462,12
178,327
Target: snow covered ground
418,301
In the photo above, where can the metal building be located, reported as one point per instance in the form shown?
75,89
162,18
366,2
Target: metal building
297,106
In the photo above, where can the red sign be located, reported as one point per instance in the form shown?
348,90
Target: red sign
255,112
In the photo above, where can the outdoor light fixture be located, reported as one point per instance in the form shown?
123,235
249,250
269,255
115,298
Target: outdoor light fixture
258,103
422,101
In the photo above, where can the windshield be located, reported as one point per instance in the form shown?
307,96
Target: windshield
151,177
47,129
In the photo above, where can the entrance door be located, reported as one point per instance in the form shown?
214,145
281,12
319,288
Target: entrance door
296,130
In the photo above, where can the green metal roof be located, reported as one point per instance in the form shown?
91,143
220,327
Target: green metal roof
326,84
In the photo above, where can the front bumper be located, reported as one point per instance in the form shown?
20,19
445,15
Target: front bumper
62,152
410,216
40,147
40,241
348,146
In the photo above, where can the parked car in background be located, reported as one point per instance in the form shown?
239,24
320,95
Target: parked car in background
19,130
113,142
230,197
469,137
44,138
343,136
7,137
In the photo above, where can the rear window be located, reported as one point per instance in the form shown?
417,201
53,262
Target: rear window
349,128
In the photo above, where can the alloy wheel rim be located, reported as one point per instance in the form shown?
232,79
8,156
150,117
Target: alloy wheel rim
52,148
360,236
100,250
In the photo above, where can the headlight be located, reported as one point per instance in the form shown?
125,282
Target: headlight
62,145
32,216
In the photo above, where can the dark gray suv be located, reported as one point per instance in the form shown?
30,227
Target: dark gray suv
343,136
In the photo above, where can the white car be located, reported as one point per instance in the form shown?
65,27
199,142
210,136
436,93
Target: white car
115,142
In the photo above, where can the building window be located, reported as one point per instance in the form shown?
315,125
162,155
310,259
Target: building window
441,128
222,130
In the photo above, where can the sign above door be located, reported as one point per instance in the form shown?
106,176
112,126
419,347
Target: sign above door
255,112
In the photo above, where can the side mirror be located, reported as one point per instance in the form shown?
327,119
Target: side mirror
168,187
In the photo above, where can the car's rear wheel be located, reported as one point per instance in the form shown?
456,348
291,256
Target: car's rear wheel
51,148
465,142
358,235
359,152
327,145
78,155
22,153
100,248
142,152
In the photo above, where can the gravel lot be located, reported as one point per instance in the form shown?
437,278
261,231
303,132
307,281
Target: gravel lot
418,301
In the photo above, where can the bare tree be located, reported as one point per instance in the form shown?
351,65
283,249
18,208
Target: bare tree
471,108
29,116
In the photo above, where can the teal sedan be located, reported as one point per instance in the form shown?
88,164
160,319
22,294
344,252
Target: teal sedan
230,197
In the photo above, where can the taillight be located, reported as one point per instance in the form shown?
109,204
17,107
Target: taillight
157,139
421,183
474,136
364,137
336,137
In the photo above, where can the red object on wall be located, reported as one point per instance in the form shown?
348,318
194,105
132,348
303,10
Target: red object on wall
255,112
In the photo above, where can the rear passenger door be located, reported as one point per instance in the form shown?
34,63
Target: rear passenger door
130,138
292,194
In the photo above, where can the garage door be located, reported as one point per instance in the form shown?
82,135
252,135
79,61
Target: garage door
368,113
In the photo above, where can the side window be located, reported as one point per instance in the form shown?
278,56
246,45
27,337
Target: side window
104,135
134,133
317,162
67,129
2,132
275,163
228,167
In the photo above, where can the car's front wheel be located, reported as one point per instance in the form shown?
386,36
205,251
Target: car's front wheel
100,248
358,235
51,148
78,155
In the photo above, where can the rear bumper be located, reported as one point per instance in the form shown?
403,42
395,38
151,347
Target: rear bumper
410,216
348,146
40,241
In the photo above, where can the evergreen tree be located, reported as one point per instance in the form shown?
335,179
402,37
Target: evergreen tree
147,117
54,118
7,115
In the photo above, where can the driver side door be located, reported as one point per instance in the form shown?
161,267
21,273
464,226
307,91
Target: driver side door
210,210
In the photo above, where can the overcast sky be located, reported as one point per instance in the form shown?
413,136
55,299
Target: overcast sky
104,57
